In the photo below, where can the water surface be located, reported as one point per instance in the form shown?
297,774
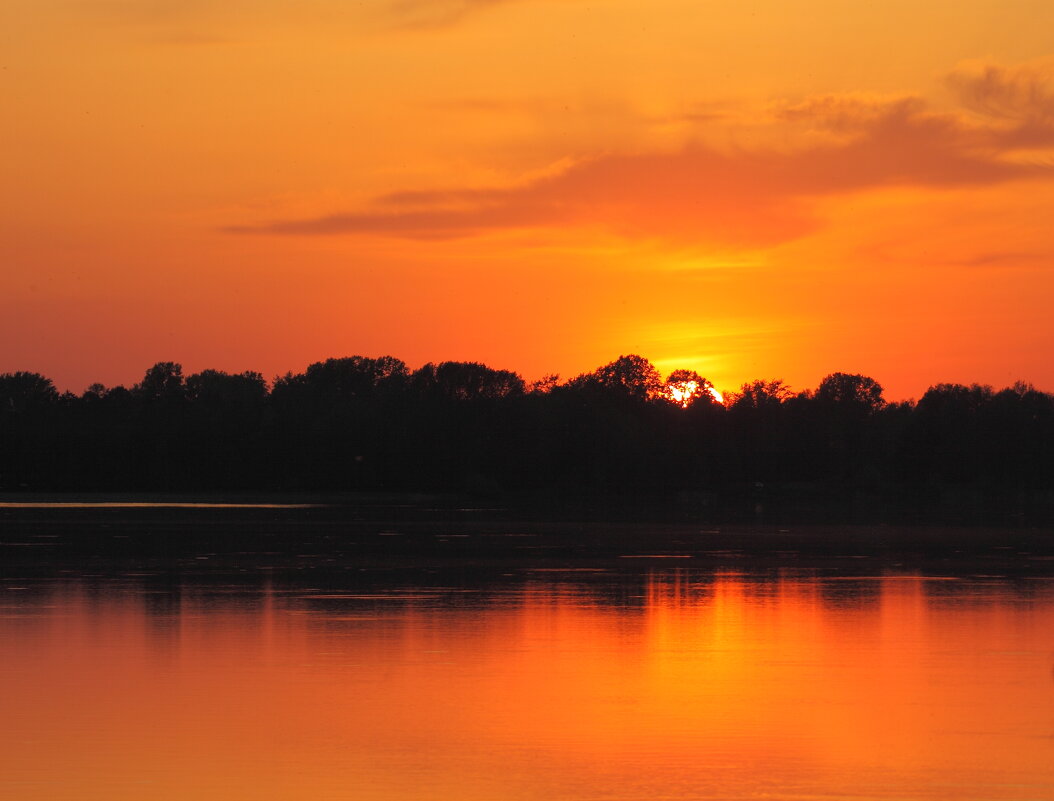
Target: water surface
643,680
150,505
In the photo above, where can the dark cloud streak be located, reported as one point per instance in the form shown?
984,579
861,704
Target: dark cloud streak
700,194
428,14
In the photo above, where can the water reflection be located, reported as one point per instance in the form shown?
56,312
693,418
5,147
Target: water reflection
151,505
619,684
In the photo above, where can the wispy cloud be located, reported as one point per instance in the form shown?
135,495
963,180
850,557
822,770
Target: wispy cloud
207,16
165,13
1017,94
1004,258
761,196
174,22
412,14
1020,98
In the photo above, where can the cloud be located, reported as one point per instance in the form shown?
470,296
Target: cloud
680,195
1018,94
1020,99
434,13
173,22
162,12
700,194
1003,258
241,15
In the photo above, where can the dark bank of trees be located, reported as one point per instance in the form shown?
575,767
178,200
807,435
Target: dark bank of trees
618,434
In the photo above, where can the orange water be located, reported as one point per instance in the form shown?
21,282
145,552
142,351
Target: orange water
670,684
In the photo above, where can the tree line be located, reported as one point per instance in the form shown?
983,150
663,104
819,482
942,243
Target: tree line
620,432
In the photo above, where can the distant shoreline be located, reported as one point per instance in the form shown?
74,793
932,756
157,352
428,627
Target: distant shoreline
148,505
52,536
618,443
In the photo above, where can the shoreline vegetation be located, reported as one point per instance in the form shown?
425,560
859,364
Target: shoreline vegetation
619,443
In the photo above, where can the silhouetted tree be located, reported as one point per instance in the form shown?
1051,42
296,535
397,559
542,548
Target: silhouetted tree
545,384
687,387
24,391
353,376
333,422
30,433
225,429
633,376
849,390
162,382
94,393
841,451
760,395
217,389
467,381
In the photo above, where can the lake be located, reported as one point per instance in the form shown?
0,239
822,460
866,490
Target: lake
491,679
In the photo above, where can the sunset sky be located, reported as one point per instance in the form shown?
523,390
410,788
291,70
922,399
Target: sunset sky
758,189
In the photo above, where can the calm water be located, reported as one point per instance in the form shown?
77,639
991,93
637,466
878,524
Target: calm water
645,681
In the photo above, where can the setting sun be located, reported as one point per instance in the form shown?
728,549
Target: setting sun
685,387
686,392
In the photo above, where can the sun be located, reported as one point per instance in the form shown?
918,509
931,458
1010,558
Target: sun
684,388
683,392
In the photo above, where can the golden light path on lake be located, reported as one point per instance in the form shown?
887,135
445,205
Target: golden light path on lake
673,684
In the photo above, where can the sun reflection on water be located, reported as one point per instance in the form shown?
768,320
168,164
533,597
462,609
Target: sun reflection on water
674,683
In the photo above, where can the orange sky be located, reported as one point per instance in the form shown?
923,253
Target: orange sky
752,190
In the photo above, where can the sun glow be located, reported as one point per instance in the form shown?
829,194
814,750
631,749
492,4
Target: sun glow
685,393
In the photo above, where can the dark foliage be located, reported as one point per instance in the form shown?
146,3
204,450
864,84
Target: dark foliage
840,451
